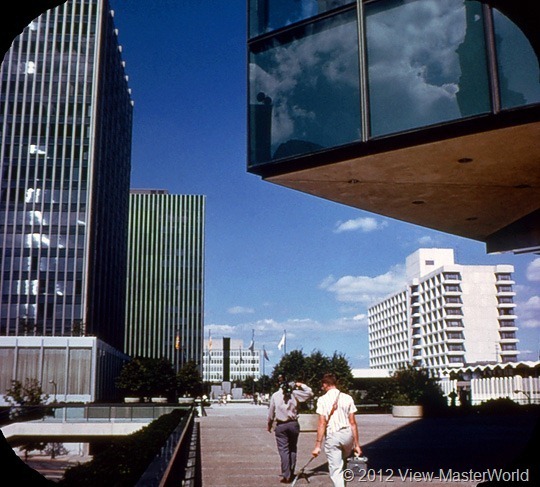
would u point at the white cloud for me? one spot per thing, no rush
(240, 310)
(529, 313)
(365, 289)
(221, 330)
(533, 270)
(426, 241)
(302, 333)
(364, 224)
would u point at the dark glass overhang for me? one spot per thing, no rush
(477, 179)
(441, 128)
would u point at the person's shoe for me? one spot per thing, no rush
(285, 481)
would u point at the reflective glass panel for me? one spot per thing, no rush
(269, 15)
(426, 63)
(519, 76)
(304, 90)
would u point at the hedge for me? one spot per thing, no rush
(123, 462)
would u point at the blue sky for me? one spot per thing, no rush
(275, 258)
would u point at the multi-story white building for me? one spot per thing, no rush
(447, 315)
(228, 360)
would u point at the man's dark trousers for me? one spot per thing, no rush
(287, 441)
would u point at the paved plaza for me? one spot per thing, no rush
(237, 450)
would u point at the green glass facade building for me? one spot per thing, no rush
(422, 110)
(165, 285)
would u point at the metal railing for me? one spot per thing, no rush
(178, 462)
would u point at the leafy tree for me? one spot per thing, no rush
(27, 400)
(310, 369)
(189, 380)
(147, 377)
(339, 365)
(265, 384)
(292, 366)
(412, 385)
(28, 394)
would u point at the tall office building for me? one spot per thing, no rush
(447, 315)
(65, 150)
(165, 302)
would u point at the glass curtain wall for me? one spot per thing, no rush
(427, 62)
(304, 93)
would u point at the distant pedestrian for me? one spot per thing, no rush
(283, 410)
(338, 423)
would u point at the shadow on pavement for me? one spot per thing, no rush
(460, 444)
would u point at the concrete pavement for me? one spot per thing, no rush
(237, 451)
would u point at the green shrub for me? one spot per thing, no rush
(503, 405)
(124, 461)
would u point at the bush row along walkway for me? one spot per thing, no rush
(237, 451)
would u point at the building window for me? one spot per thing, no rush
(518, 75)
(426, 61)
(269, 15)
(304, 90)
(452, 276)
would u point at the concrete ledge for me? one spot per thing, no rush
(70, 430)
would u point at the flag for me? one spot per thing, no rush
(281, 343)
(265, 354)
(251, 347)
(209, 341)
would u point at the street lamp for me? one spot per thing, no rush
(55, 388)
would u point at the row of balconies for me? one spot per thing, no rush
(507, 325)
(504, 279)
(505, 290)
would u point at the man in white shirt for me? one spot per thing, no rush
(338, 422)
(284, 411)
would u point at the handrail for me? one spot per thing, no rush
(172, 456)
(177, 450)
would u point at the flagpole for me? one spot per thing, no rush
(208, 364)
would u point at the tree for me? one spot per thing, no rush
(27, 400)
(412, 386)
(292, 366)
(310, 369)
(28, 394)
(147, 377)
(189, 380)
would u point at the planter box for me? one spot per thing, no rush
(186, 400)
(161, 400)
(308, 422)
(407, 411)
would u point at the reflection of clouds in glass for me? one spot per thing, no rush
(291, 75)
(519, 73)
(286, 12)
(414, 60)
